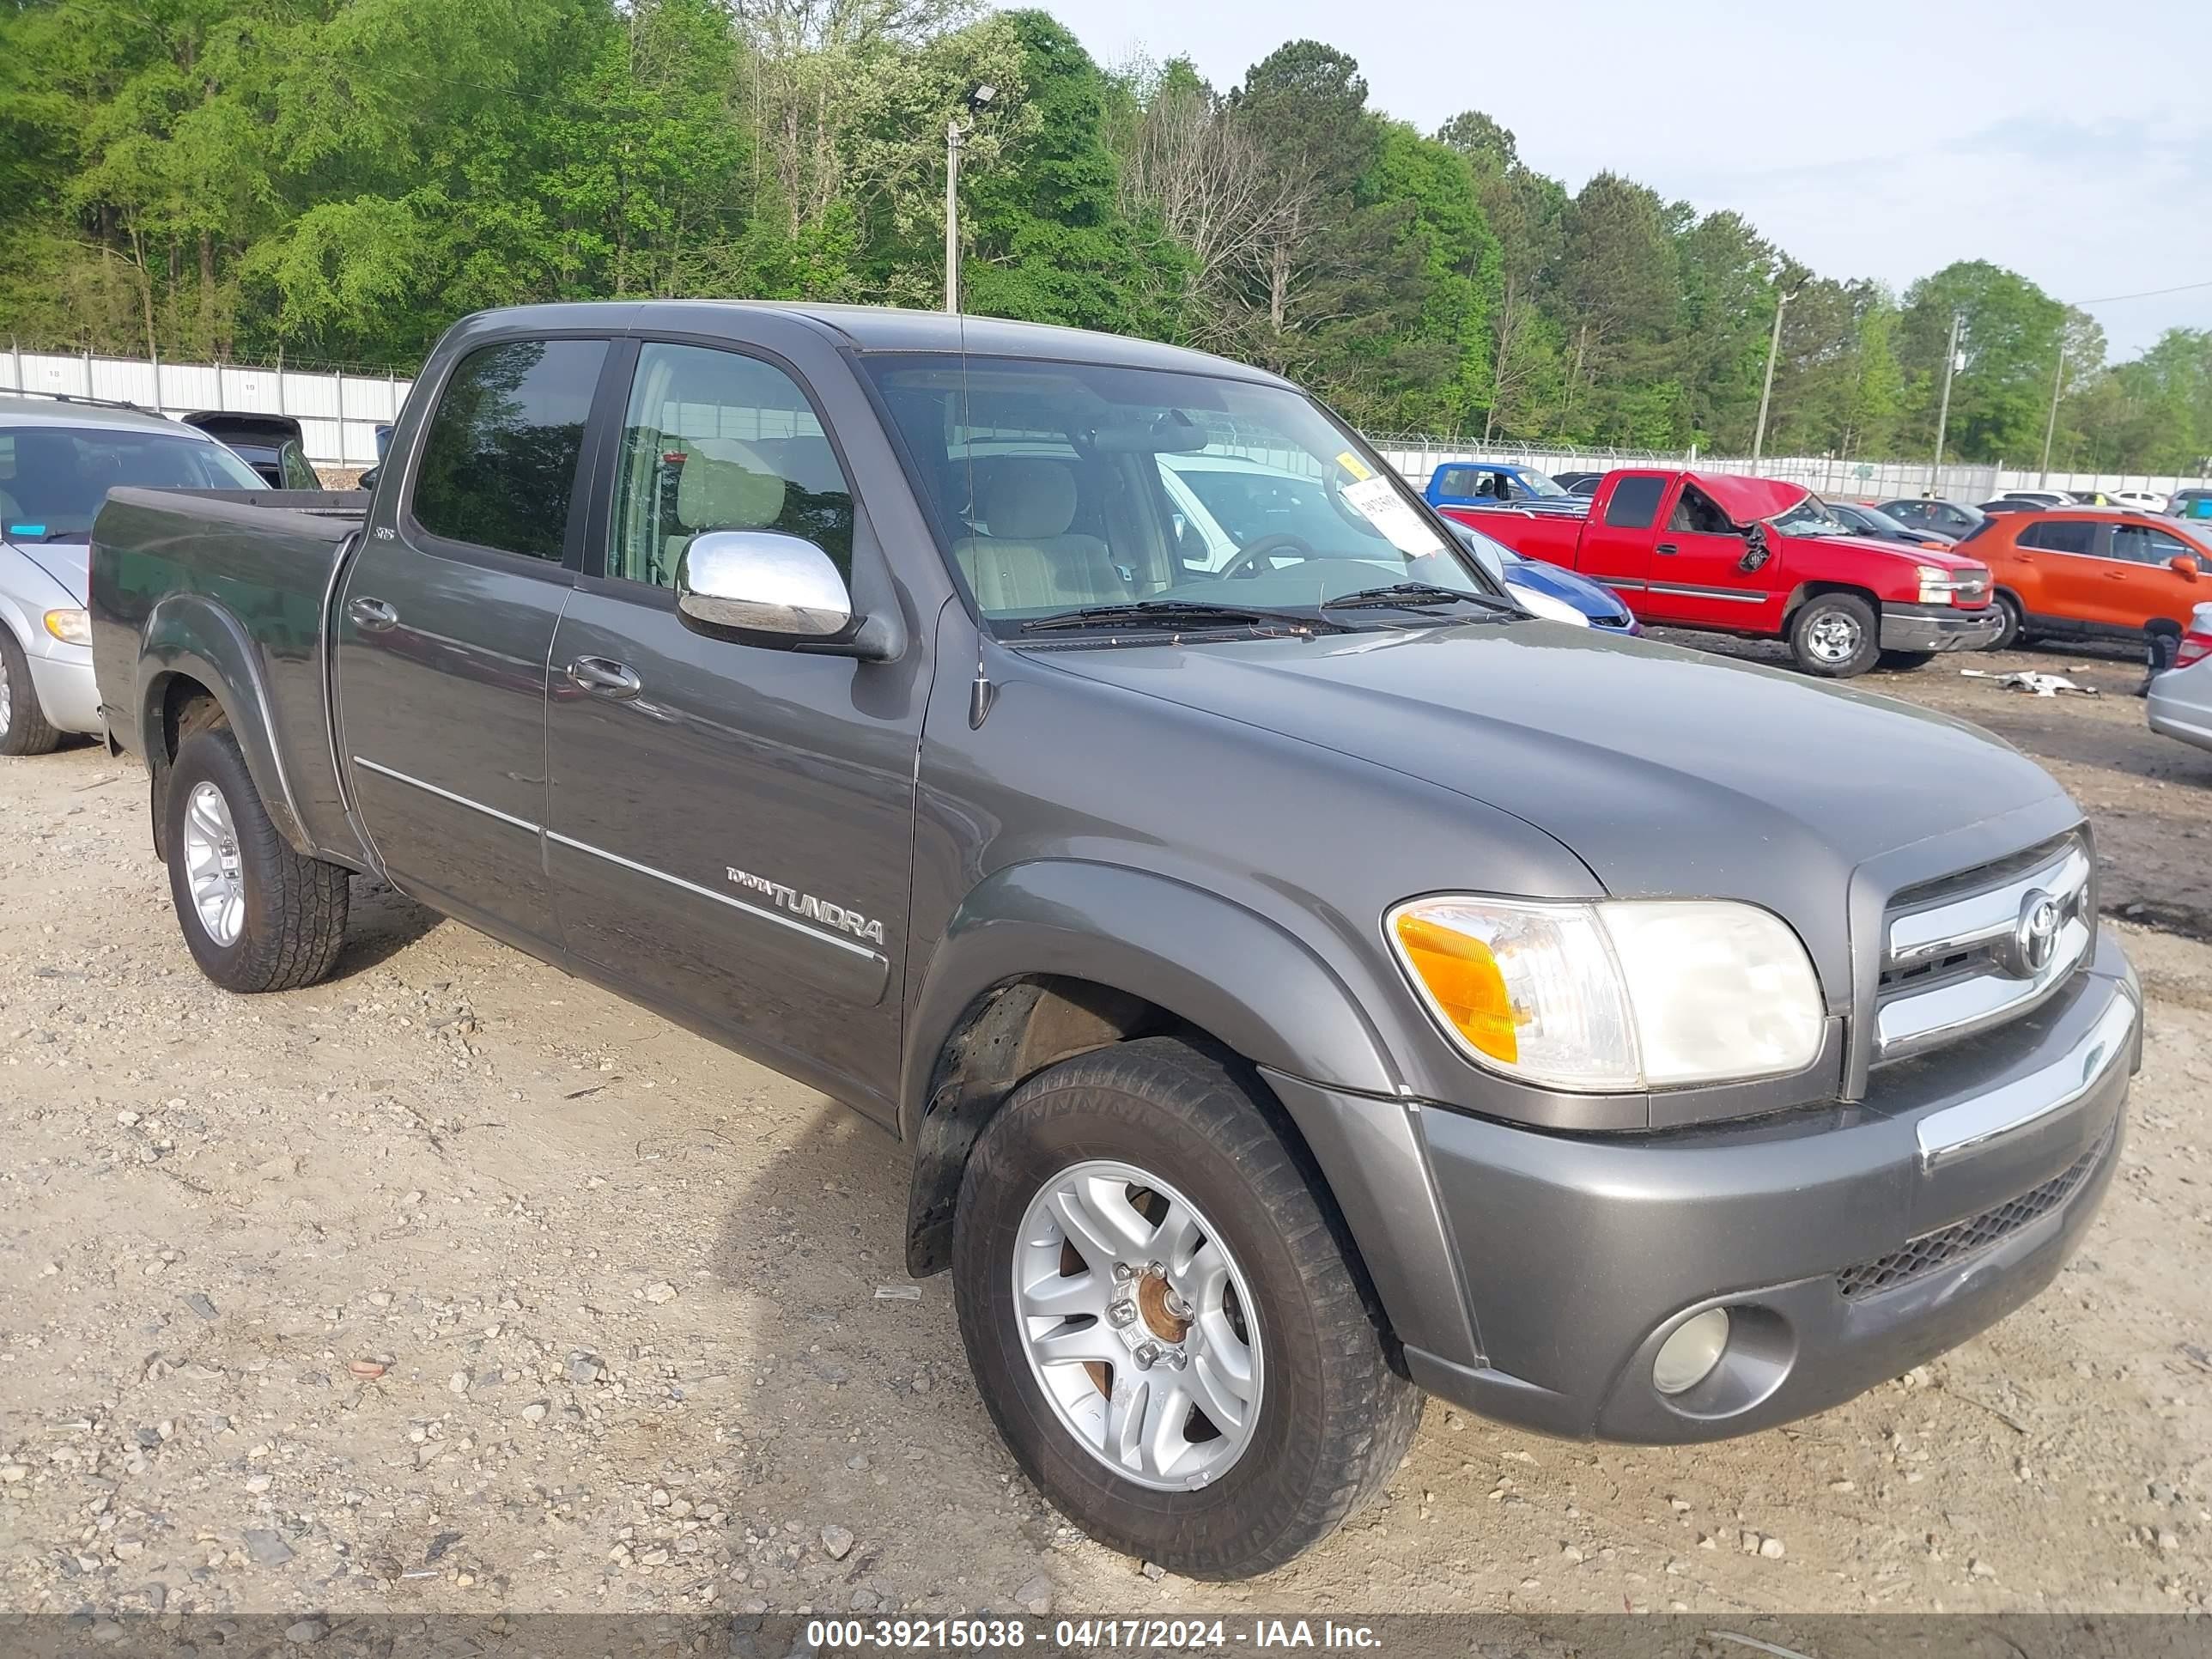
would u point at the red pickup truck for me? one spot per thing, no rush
(1760, 557)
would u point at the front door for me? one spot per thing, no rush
(2153, 589)
(732, 826)
(444, 628)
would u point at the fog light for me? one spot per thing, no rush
(1687, 1357)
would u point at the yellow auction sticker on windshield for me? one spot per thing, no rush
(1351, 464)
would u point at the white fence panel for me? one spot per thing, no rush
(338, 414)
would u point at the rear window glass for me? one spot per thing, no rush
(1635, 502)
(2060, 536)
(499, 464)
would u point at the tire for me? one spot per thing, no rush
(24, 727)
(1904, 661)
(288, 913)
(2015, 632)
(1332, 1419)
(1834, 635)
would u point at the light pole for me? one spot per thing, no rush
(1782, 299)
(1943, 412)
(2051, 425)
(955, 135)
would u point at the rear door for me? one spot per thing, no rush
(732, 826)
(443, 629)
(2068, 582)
(1615, 548)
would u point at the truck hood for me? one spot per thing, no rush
(1668, 772)
(1746, 501)
(67, 562)
(1947, 558)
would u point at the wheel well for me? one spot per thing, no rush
(185, 706)
(1807, 591)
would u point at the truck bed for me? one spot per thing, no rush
(228, 587)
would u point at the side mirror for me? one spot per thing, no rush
(2181, 564)
(773, 589)
(367, 479)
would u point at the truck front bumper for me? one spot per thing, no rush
(1939, 628)
(1848, 1245)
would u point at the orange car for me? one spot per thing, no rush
(2092, 573)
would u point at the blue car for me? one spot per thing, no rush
(1500, 484)
(1602, 607)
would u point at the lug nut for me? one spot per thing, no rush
(1123, 1273)
(1121, 1313)
(1146, 1353)
(1175, 1357)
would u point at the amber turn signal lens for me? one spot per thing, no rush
(1463, 976)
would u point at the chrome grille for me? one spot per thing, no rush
(1973, 951)
(1962, 1239)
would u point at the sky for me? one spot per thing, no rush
(2072, 143)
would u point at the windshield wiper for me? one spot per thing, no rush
(1409, 596)
(1164, 613)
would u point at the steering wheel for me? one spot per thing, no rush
(1247, 562)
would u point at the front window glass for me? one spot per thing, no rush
(715, 441)
(2140, 544)
(1059, 487)
(53, 478)
(499, 463)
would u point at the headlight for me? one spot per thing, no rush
(1617, 995)
(1941, 586)
(69, 627)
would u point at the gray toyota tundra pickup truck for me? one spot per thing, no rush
(1298, 978)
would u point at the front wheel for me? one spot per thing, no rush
(24, 727)
(1164, 1317)
(1834, 635)
(256, 916)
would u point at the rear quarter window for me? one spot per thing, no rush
(1635, 502)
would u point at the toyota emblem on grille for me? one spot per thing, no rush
(2035, 936)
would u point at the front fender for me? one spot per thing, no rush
(1224, 968)
(190, 635)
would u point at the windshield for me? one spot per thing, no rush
(1058, 487)
(53, 478)
(1811, 517)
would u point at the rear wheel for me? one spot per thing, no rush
(1164, 1317)
(256, 916)
(1833, 635)
(24, 728)
(2015, 631)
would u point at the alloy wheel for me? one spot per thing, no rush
(212, 865)
(1136, 1324)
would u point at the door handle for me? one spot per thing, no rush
(1667, 547)
(371, 616)
(604, 679)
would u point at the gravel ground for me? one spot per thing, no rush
(456, 1284)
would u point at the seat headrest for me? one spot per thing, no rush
(1025, 497)
(725, 485)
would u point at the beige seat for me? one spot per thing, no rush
(1029, 561)
(724, 485)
